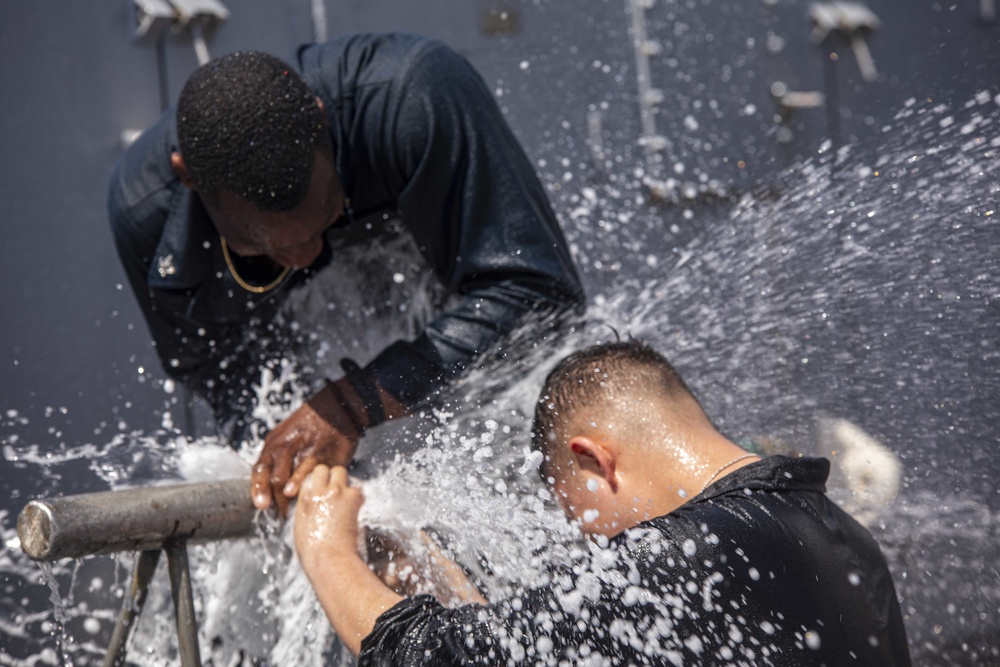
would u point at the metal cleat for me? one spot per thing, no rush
(205, 11)
(789, 101)
(853, 22)
(199, 16)
(152, 17)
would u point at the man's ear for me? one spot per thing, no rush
(595, 458)
(177, 164)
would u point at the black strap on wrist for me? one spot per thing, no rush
(364, 385)
(346, 406)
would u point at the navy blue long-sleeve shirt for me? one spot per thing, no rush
(760, 569)
(415, 132)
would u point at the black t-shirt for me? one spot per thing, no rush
(760, 569)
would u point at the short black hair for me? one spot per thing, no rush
(247, 123)
(597, 374)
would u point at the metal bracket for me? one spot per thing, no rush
(853, 22)
(650, 98)
(145, 566)
(789, 101)
(146, 520)
(180, 592)
(208, 12)
(183, 597)
(153, 17)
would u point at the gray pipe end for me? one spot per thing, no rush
(34, 529)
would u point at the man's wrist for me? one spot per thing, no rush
(365, 386)
(354, 412)
(329, 556)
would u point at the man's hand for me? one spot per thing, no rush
(326, 541)
(319, 432)
(326, 517)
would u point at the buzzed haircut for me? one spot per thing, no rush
(247, 123)
(596, 375)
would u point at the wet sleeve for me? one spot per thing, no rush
(419, 631)
(478, 212)
(531, 627)
(203, 356)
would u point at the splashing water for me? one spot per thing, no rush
(864, 286)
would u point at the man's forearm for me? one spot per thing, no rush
(450, 344)
(350, 594)
(452, 585)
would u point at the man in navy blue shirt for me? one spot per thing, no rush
(231, 199)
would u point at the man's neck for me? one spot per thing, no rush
(685, 468)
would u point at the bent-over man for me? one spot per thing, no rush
(232, 199)
(702, 552)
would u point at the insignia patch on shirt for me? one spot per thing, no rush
(166, 266)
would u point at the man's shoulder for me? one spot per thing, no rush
(348, 61)
(142, 181)
(387, 42)
(716, 521)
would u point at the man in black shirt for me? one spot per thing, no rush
(232, 199)
(702, 553)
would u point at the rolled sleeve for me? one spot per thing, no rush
(477, 210)
(419, 631)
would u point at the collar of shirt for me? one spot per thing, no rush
(184, 255)
(774, 473)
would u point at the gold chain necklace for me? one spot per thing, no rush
(255, 289)
(731, 463)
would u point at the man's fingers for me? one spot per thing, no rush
(281, 470)
(308, 465)
(292, 451)
(338, 475)
(260, 482)
(332, 456)
(316, 481)
(281, 502)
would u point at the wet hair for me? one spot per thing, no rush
(247, 123)
(594, 377)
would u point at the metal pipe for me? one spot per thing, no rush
(649, 97)
(180, 591)
(135, 519)
(200, 45)
(145, 567)
(320, 31)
